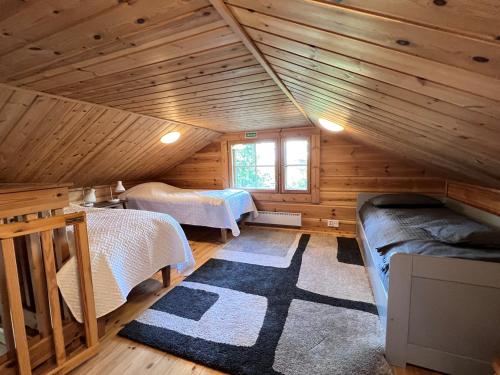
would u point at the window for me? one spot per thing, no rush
(254, 165)
(296, 164)
(271, 165)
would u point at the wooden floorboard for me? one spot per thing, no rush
(120, 356)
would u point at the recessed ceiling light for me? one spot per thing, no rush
(170, 137)
(328, 125)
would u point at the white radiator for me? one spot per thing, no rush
(277, 218)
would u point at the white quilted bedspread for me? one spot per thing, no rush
(126, 248)
(209, 208)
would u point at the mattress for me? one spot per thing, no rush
(126, 248)
(209, 208)
(391, 231)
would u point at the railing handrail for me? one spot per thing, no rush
(24, 228)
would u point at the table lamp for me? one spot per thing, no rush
(119, 188)
(89, 198)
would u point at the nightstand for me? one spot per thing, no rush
(106, 204)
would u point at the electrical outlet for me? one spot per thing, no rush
(333, 223)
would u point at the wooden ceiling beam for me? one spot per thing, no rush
(233, 23)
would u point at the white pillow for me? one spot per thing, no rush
(149, 189)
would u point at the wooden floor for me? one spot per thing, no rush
(119, 356)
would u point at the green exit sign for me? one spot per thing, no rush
(251, 135)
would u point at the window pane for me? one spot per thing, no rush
(255, 178)
(245, 177)
(244, 154)
(296, 152)
(296, 178)
(254, 165)
(266, 178)
(266, 153)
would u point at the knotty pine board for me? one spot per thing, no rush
(347, 168)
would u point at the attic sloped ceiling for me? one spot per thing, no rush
(176, 60)
(421, 78)
(45, 138)
(418, 77)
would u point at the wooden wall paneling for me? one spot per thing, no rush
(224, 92)
(35, 143)
(382, 127)
(457, 148)
(44, 19)
(13, 110)
(422, 83)
(87, 143)
(203, 170)
(124, 154)
(160, 97)
(125, 23)
(432, 91)
(208, 72)
(477, 196)
(58, 139)
(435, 111)
(194, 141)
(242, 75)
(432, 43)
(276, 46)
(384, 138)
(226, 14)
(224, 161)
(481, 20)
(477, 132)
(157, 57)
(467, 80)
(347, 167)
(104, 157)
(76, 194)
(230, 97)
(321, 97)
(416, 134)
(163, 71)
(35, 157)
(315, 168)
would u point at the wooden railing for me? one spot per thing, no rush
(47, 229)
(41, 334)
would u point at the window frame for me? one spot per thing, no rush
(283, 188)
(279, 166)
(276, 166)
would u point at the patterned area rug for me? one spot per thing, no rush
(272, 302)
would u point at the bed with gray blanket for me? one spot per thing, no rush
(435, 275)
(391, 231)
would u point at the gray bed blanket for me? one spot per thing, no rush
(385, 227)
(391, 231)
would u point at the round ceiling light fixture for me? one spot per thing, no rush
(170, 137)
(331, 126)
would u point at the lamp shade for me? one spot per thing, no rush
(90, 197)
(119, 188)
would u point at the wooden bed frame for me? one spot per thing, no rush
(39, 331)
(439, 313)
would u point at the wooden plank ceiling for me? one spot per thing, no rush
(44, 138)
(176, 60)
(418, 77)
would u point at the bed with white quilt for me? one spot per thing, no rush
(126, 247)
(208, 208)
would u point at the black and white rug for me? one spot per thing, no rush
(272, 302)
